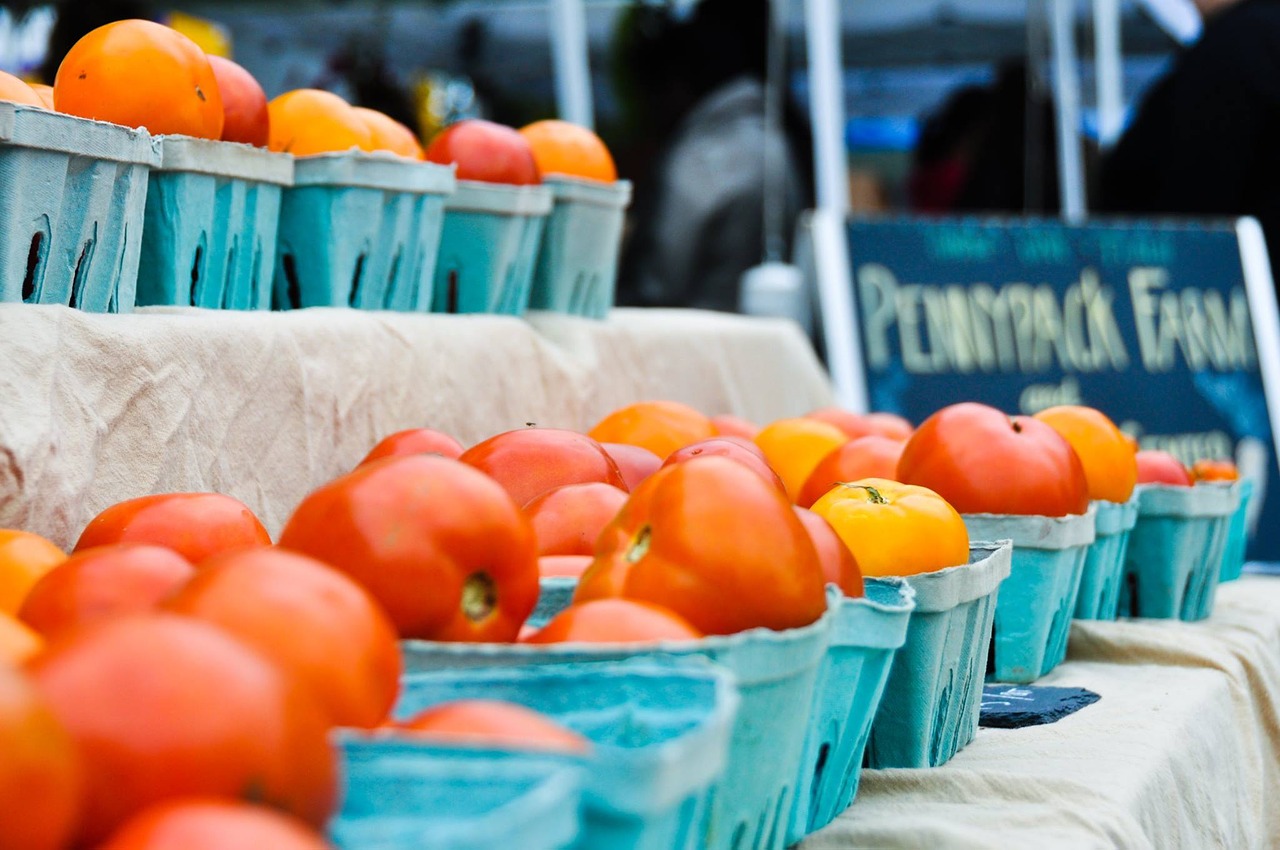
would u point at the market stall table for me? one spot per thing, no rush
(1182, 751)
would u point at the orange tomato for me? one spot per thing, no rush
(40, 771)
(141, 74)
(312, 621)
(1110, 469)
(794, 447)
(530, 461)
(18, 642)
(212, 824)
(569, 519)
(161, 707)
(560, 147)
(872, 456)
(388, 134)
(614, 621)
(895, 529)
(15, 90)
(195, 525)
(1214, 470)
(439, 544)
(414, 441)
(839, 567)
(493, 723)
(24, 559)
(705, 531)
(305, 122)
(103, 582)
(659, 426)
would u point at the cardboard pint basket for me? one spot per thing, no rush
(1176, 550)
(1037, 601)
(1237, 534)
(213, 210)
(1099, 597)
(929, 710)
(72, 197)
(577, 269)
(659, 730)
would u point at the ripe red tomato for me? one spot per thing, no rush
(872, 456)
(441, 546)
(728, 425)
(563, 566)
(839, 566)
(982, 461)
(244, 104)
(414, 441)
(736, 449)
(636, 463)
(530, 461)
(569, 519)
(857, 425)
(710, 540)
(495, 723)
(614, 621)
(195, 525)
(485, 151)
(1157, 467)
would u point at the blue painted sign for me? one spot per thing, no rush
(1170, 328)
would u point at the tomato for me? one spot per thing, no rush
(560, 147)
(856, 425)
(794, 448)
(634, 462)
(982, 461)
(711, 541)
(195, 525)
(872, 456)
(728, 425)
(18, 642)
(103, 582)
(162, 707)
(493, 723)
(316, 624)
(659, 426)
(567, 520)
(24, 559)
(388, 134)
(614, 621)
(1110, 469)
(485, 151)
(1157, 467)
(212, 824)
(40, 771)
(563, 566)
(839, 567)
(439, 544)
(14, 90)
(895, 529)
(141, 74)
(244, 104)
(305, 122)
(1214, 470)
(530, 461)
(737, 449)
(414, 441)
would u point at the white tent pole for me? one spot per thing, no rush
(1067, 91)
(830, 234)
(573, 69)
(1107, 58)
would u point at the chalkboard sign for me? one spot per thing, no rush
(1170, 328)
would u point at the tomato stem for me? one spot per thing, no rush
(875, 496)
(479, 596)
(639, 545)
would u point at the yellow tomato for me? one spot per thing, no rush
(895, 529)
(1110, 465)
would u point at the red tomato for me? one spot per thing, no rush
(736, 449)
(414, 441)
(857, 425)
(101, 583)
(195, 525)
(872, 456)
(530, 461)
(982, 461)
(485, 151)
(208, 823)
(567, 520)
(244, 104)
(441, 546)
(839, 567)
(698, 534)
(1157, 467)
(495, 723)
(614, 621)
(728, 425)
(636, 463)
(563, 566)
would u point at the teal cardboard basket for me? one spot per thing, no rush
(1176, 549)
(1237, 534)
(659, 730)
(360, 230)
(1037, 601)
(577, 269)
(865, 634)
(929, 710)
(72, 197)
(555, 594)
(213, 209)
(489, 248)
(1099, 597)
(777, 674)
(401, 795)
